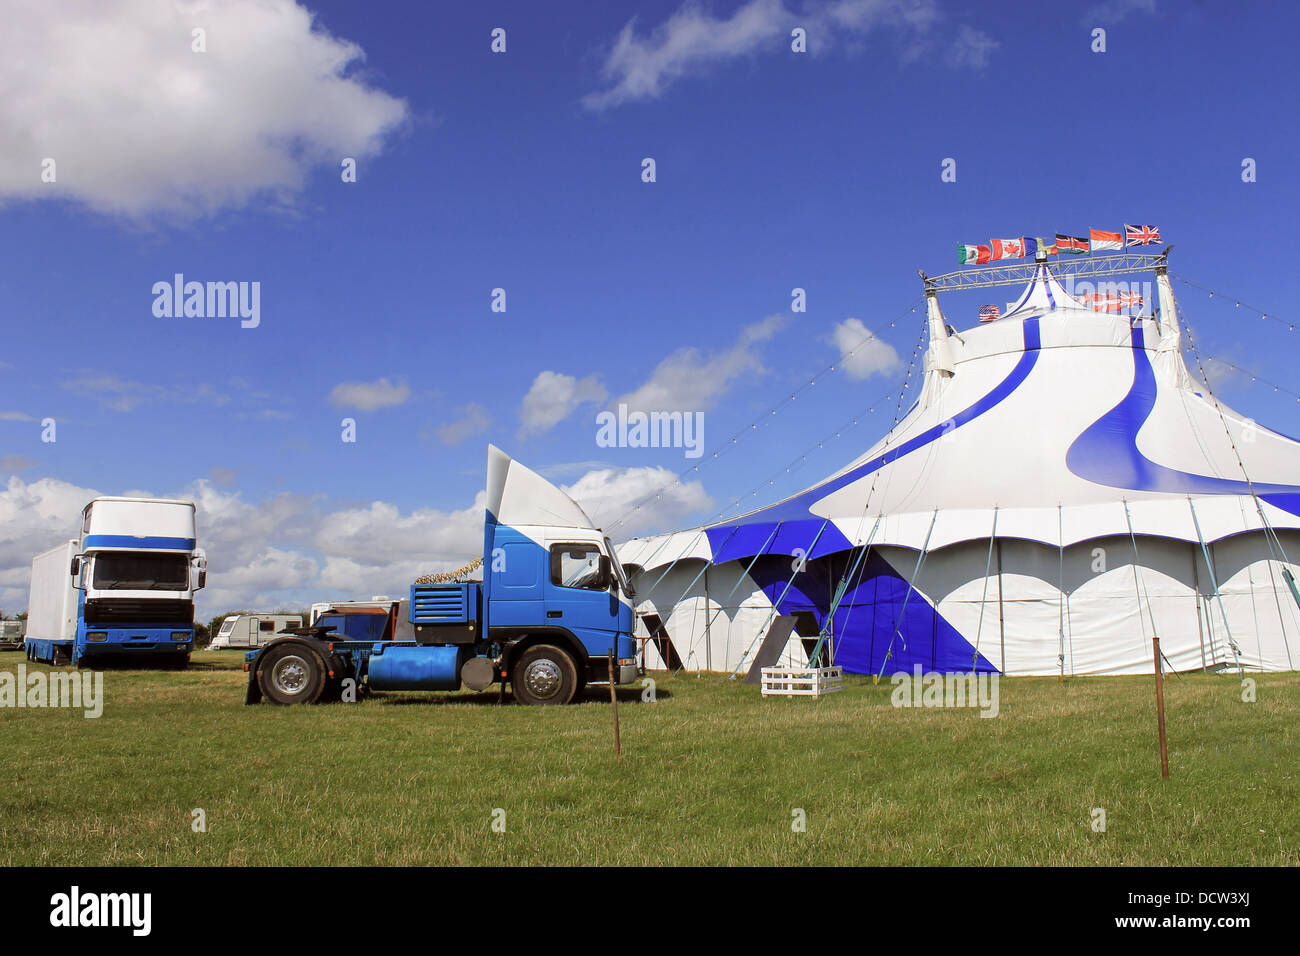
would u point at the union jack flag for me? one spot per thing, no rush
(990, 313)
(1140, 235)
(1112, 303)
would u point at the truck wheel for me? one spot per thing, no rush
(291, 674)
(544, 674)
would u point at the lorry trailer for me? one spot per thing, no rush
(552, 613)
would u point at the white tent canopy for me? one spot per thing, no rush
(1067, 430)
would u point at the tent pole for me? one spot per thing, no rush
(749, 567)
(1137, 586)
(840, 590)
(708, 626)
(988, 563)
(911, 585)
(1200, 630)
(1214, 581)
(1002, 619)
(777, 603)
(1060, 584)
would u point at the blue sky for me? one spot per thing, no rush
(522, 171)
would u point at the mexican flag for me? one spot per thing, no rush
(972, 255)
(1102, 241)
(1072, 244)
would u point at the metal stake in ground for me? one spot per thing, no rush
(613, 699)
(1160, 709)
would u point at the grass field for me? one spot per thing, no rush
(710, 774)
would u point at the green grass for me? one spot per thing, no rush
(709, 775)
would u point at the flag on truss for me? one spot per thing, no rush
(1105, 241)
(1007, 248)
(1140, 235)
(1074, 245)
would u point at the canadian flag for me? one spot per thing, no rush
(1007, 248)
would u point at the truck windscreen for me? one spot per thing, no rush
(134, 571)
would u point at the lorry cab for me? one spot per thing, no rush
(552, 613)
(137, 570)
(561, 583)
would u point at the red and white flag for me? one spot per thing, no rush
(1007, 248)
(1140, 235)
(1102, 241)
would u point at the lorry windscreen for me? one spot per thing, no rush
(134, 571)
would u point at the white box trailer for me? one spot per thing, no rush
(252, 630)
(52, 602)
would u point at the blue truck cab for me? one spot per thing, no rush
(551, 611)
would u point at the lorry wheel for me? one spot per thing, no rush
(291, 674)
(544, 674)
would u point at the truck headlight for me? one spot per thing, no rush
(180, 635)
(96, 635)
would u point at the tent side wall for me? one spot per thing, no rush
(1090, 608)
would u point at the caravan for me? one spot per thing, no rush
(252, 630)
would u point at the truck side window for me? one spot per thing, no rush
(576, 566)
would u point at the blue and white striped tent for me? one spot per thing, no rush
(1061, 490)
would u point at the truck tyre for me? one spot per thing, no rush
(544, 674)
(291, 674)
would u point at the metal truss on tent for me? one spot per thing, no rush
(1023, 273)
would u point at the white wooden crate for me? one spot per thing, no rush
(802, 681)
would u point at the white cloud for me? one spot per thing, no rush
(690, 381)
(124, 395)
(642, 66)
(369, 396)
(862, 353)
(553, 397)
(474, 419)
(34, 517)
(140, 125)
(15, 417)
(609, 494)
(972, 48)
(290, 550)
(380, 533)
(1113, 11)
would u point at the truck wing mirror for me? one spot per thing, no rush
(606, 572)
(76, 566)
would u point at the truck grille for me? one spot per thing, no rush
(138, 611)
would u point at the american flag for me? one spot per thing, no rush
(1140, 235)
(990, 313)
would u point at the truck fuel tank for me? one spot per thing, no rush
(417, 668)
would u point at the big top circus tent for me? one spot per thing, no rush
(1061, 491)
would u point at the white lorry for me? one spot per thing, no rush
(125, 588)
